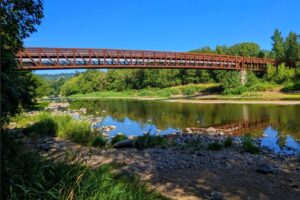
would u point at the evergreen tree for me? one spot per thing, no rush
(278, 45)
(291, 49)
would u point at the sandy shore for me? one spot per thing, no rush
(277, 102)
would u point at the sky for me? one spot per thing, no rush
(171, 25)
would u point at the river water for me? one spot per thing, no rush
(277, 125)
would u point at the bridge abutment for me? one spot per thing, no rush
(243, 76)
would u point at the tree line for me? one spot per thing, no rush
(286, 51)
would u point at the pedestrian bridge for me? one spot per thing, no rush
(79, 58)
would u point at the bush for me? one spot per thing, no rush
(118, 138)
(228, 142)
(235, 91)
(260, 87)
(215, 146)
(99, 141)
(249, 146)
(147, 141)
(189, 90)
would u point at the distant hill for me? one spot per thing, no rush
(57, 76)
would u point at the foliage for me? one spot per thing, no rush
(44, 126)
(59, 125)
(292, 49)
(43, 86)
(18, 20)
(228, 142)
(99, 141)
(215, 146)
(30, 176)
(147, 141)
(118, 138)
(278, 45)
(280, 75)
(249, 146)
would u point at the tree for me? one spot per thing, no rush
(278, 45)
(291, 49)
(247, 49)
(18, 21)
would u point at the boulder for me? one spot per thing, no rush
(123, 144)
(265, 169)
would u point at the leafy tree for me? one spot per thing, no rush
(247, 49)
(18, 20)
(43, 86)
(278, 45)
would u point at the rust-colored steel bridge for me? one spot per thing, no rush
(77, 58)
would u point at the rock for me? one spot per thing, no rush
(124, 143)
(265, 169)
(211, 131)
(45, 147)
(216, 196)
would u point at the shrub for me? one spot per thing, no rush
(147, 140)
(228, 142)
(99, 141)
(215, 146)
(118, 138)
(249, 146)
(189, 90)
(235, 91)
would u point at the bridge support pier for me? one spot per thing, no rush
(243, 76)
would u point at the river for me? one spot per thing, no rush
(277, 125)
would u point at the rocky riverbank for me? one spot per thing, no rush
(180, 173)
(193, 164)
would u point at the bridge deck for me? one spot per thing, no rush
(75, 58)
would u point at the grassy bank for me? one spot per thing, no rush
(182, 90)
(260, 91)
(26, 175)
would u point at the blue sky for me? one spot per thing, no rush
(171, 25)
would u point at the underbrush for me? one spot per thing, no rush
(63, 126)
(27, 175)
(147, 141)
(118, 138)
(249, 146)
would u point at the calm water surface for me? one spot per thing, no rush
(278, 125)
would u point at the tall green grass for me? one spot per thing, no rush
(26, 175)
(63, 126)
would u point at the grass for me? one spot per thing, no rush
(227, 142)
(63, 126)
(215, 146)
(147, 141)
(183, 90)
(118, 138)
(27, 175)
(249, 146)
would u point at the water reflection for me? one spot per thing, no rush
(136, 117)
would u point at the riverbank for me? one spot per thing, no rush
(198, 164)
(200, 92)
(179, 173)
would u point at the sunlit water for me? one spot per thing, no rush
(277, 125)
